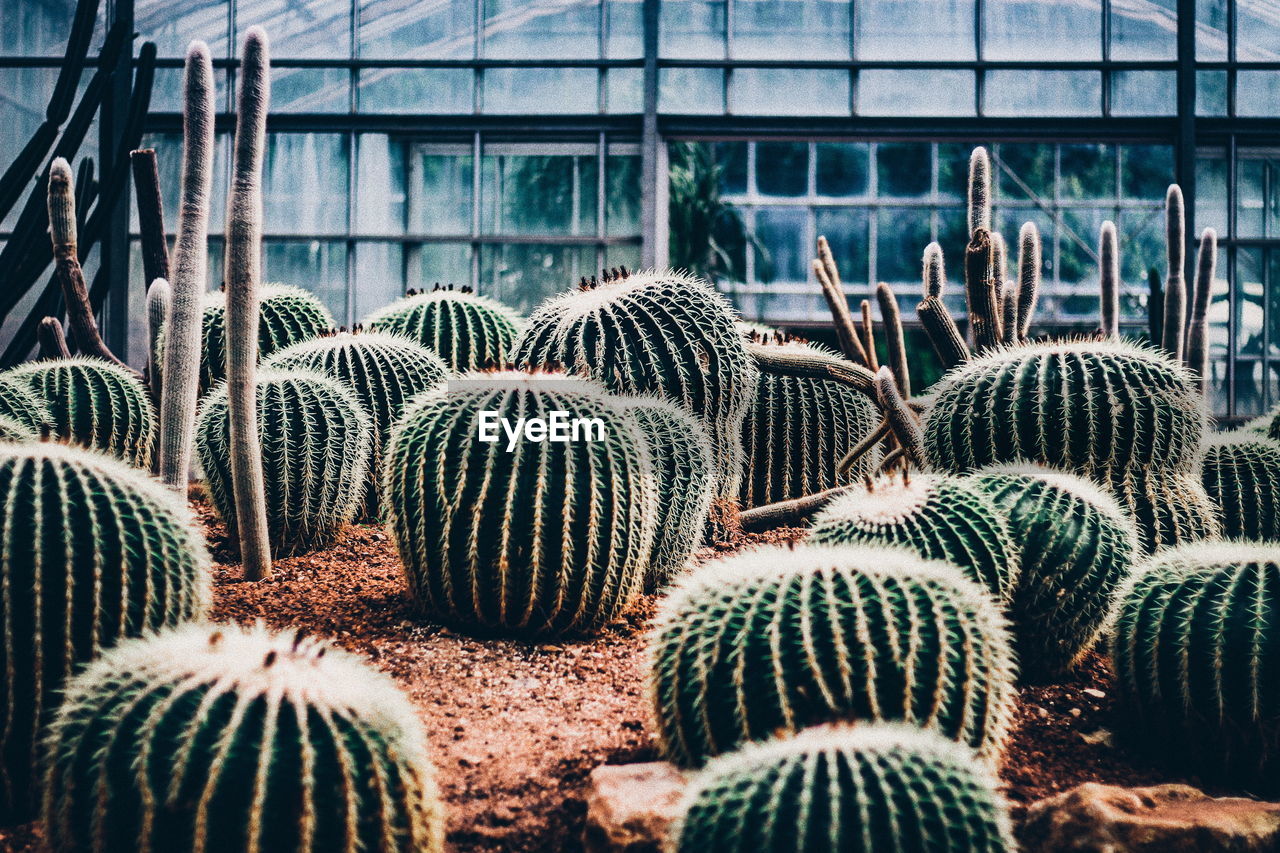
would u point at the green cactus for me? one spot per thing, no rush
(93, 551)
(1077, 546)
(467, 331)
(1268, 424)
(1168, 509)
(22, 405)
(516, 535)
(1241, 473)
(777, 639)
(1196, 652)
(682, 460)
(657, 332)
(13, 431)
(865, 789)
(384, 372)
(938, 516)
(94, 403)
(234, 739)
(286, 315)
(316, 442)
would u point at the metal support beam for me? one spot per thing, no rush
(115, 240)
(653, 214)
(1185, 146)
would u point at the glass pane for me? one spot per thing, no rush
(380, 192)
(624, 29)
(1146, 171)
(786, 254)
(172, 26)
(624, 90)
(953, 169)
(417, 90)
(1257, 30)
(622, 194)
(910, 92)
(903, 169)
(1211, 93)
(538, 194)
(168, 148)
(316, 29)
(379, 276)
(691, 90)
(622, 254)
(522, 276)
(1257, 93)
(439, 263)
(842, 168)
(1142, 247)
(1211, 30)
(1078, 247)
(692, 29)
(770, 29)
(1038, 30)
(902, 234)
(310, 90)
(1144, 29)
(414, 29)
(787, 91)
(541, 90)
(782, 168)
(846, 230)
(315, 265)
(890, 29)
(166, 90)
(23, 115)
(533, 29)
(440, 198)
(1043, 93)
(1250, 296)
(1211, 193)
(305, 183)
(1250, 175)
(1144, 93)
(731, 157)
(1087, 171)
(1024, 171)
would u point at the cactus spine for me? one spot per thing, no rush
(158, 296)
(1175, 288)
(19, 402)
(1169, 509)
(866, 789)
(1198, 330)
(934, 315)
(13, 431)
(467, 331)
(94, 551)
(895, 342)
(1028, 277)
(1242, 477)
(227, 738)
(979, 191)
(286, 315)
(1109, 278)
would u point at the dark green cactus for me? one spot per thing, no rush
(94, 403)
(521, 535)
(467, 331)
(22, 405)
(654, 332)
(777, 639)
(1169, 509)
(865, 789)
(286, 315)
(1077, 546)
(13, 431)
(384, 371)
(1241, 473)
(234, 739)
(940, 517)
(93, 551)
(316, 443)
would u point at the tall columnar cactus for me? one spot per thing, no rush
(23, 405)
(468, 331)
(979, 190)
(1196, 653)
(864, 789)
(94, 551)
(159, 295)
(1109, 280)
(1175, 287)
(1241, 473)
(384, 372)
(286, 315)
(93, 403)
(517, 534)
(776, 639)
(681, 454)
(654, 332)
(316, 442)
(1198, 326)
(800, 426)
(1077, 546)
(939, 517)
(1028, 277)
(934, 315)
(1168, 509)
(234, 739)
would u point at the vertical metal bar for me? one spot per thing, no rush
(1233, 295)
(476, 201)
(653, 245)
(1106, 57)
(353, 166)
(1185, 155)
(980, 74)
(114, 259)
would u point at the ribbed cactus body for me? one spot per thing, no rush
(94, 404)
(1168, 509)
(93, 551)
(1077, 545)
(286, 315)
(681, 455)
(316, 442)
(13, 431)
(864, 789)
(654, 332)
(940, 517)
(1241, 473)
(517, 536)
(22, 405)
(232, 739)
(778, 639)
(383, 371)
(797, 431)
(1196, 652)
(467, 331)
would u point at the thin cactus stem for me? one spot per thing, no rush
(895, 341)
(869, 336)
(788, 512)
(1155, 307)
(181, 367)
(1175, 289)
(998, 273)
(146, 183)
(862, 448)
(902, 420)
(157, 316)
(979, 191)
(1009, 314)
(1028, 277)
(941, 328)
(802, 364)
(53, 344)
(244, 246)
(892, 459)
(935, 273)
(1198, 331)
(1109, 280)
(824, 268)
(984, 311)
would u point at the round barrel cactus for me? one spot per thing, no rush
(1077, 546)
(865, 789)
(286, 315)
(13, 430)
(938, 516)
(1241, 473)
(798, 430)
(1168, 509)
(467, 331)
(316, 442)
(776, 639)
(93, 551)
(1268, 424)
(663, 333)
(384, 372)
(682, 461)
(521, 504)
(1196, 652)
(226, 738)
(22, 406)
(95, 404)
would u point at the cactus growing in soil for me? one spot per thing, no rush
(938, 516)
(864, 789)
(94, 551)
(657, 332)
(315, 447)
(1241, 473)
(777, 639)
(94, 403)
(234, 739)
(1168, 509)
(20, 403)
(515, 535)
(286, 315)
(1077, 546)
(467, 331)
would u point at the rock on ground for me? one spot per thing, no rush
(630, 807)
